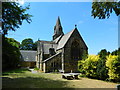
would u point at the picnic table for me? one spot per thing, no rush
(70, 76)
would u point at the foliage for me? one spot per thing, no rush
(101, 67)
(116, 52)
(13, 15)
(103, 10)
(113, 63)
(89, 65)
(35, 46)
(81, 66)
(28, 44)
(85, 55)
(36, 68)
(10, 53)
(103, 53)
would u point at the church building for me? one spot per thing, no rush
(63, 52)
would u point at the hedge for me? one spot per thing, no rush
(89, 66)
(113, 64)
(96, 67)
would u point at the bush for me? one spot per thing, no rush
(89, 66)
(113, 64)
(102, 66)
(10, 53)
(102, 71)
(36, 68)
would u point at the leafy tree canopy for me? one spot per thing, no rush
(102, 8)
(103, 53)
(13, 15)
(116, 52)
(28, 44)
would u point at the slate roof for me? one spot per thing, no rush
(52, 57)
(46, 45)
(59, 42)
(50, 42)
(57, 39)
(64, 39)
(28, 55)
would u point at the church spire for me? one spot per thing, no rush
(58, 23)
(57, 29)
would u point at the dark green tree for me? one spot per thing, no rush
(103, 53)
(103, 10)
(28, 44)
(35, 46)
(101, 66)
(13, 15)
(10, 53)
(116, 52)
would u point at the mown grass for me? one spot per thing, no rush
(22, 78)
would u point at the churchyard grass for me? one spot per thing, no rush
(23, 78)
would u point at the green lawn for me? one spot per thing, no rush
(26, 79)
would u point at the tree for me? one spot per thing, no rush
(28, 44)
(35, 45)
(103, 53)
(116, 52)
(103, 10)
(12, 16)
(101, 67)
(10, 53)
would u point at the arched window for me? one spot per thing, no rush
(51, 51)
(75, 50)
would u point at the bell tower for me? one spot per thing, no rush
(57, 29)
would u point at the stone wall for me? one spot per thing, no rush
(53, 63)
(28, 64)
(69, 63)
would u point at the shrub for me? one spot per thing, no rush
(102, 71)
(10, 53)
(113, 64)
(36, 68)
(88, 67)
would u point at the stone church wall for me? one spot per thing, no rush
(53, 64)
(69, 63)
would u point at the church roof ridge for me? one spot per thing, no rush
(64, 39)
(57, 39)
(47, 41)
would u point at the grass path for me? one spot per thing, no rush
(26, 79)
